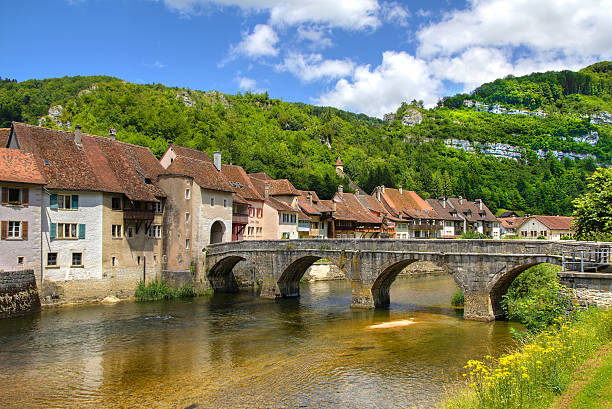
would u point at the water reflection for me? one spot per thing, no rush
(235, 350)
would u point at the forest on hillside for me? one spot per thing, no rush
(301, 142)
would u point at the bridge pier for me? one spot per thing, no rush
(478, 306)
(362, 296)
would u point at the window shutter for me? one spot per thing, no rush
(4, 228)
(4, 195)
(53, 201)
(75, 202)
(24, 230)
(53, 227)
(81, 231)
(25, 196)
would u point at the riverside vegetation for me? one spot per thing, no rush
(302, 142)
(157, 290)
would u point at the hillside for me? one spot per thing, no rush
(301, 142)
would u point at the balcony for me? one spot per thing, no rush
(138, 214)
(424, 226)
(239, 218)
(368, 229)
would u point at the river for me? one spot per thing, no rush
(236, 350)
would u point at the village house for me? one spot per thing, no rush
(509, 225)
(350, 218)
(20, 210)
(280, 210)
(476, 217)
(547, 227)
(318, 214)
(452, 223)
(199, 211)
(99, 201)
(175, 150)
(248, 205)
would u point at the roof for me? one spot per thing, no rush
(278, 187)
(190, 153)
(4, 135)
(443, 212)
(240, 182)
(471, 210)
(348, 207)
(303, 216)
(409, 203)
(100, 164)
(279, 205)
(511, 222)
(508, 214)
(373, 205)
(314, 208)
(204, 173)
(237, 198)
(260, 175)
(339, 162)
(20, 167)
(553, 222)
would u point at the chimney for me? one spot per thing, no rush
(378, 193)
(112, 133)
(382, 189)
(77, 135)
(217, 160)
(401, 190)
(340, 190)
(309, 198)
(479, 203)
(460, 200)
(333, 206)
(267, 190)
(442, 201)
(356, 192)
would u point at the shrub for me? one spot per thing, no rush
(158, 290)
(473, 235)
(457, 299)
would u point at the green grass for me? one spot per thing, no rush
(598, 392)
(457, 299)
(159, 290)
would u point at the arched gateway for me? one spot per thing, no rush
(483, 269)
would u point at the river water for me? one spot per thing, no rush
(236, 350)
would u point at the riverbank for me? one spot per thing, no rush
(540, 370)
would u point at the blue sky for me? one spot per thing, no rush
(361, 55)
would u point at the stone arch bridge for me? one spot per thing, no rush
(482, 269)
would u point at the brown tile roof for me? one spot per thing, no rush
(99, 164)
(278, 187)
(443, 212)
(204, 173)
(190, 153)
(314, 208)
(339, 162)
(279, 205)
(373, 205)
(260, 175)
(240, 182)
(303, 216)
(554, 222)
(349, 206)
(467, 207)
(408, 203)
(237, 198)
(511, 222)
(18, 166)
(4, 135)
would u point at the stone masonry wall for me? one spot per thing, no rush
(18, 294)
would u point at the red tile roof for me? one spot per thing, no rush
(260, 175)
(279, 205)
(190, 153)
(99, 164)
(339, 162)
(511, 222)
(314, 208)
(554, 222)
(471, 210)
(204, 173)
(4, 134)
(20, 167)
(278, 187)
(240, 182)
(443, 212)
(348, 207)
(407, 203)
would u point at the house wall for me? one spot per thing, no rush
(167, 158)
(126, 249)
(89, 213)
(255, 222)
(28, 249)
(288, 229)
(208, 215)
(175, 257)
(533, 228)
(270, 223)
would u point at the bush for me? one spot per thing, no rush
(158, 290)
(457, 299)
(474, 235)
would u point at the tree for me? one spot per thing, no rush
(593, 213)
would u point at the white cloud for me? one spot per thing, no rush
(246, 84)
(400, 77)
(317, 36)
(393, 12)
(348, 14)
(261, 42)
(313, 67)
(569, 26)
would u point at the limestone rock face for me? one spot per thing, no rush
(56, 111)
(184, 96)
(412, 117)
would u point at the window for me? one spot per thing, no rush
(154, 260)
(113, 261)
(251, 211)
(187, 193)
(129, 232)
(224, 202)
(138, 260)
(52, 259)
(14, 195)
(154, 231)
(187, 218)
(116, 231)
(116, 203)
(66, 230)
(77, 260)
(212, 201)
(259, 213)
(20, 260)
(285, 235)
(14, 230)
(186, 243)
(157, 207)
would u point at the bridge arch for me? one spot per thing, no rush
(289, 281)
(221, 275)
